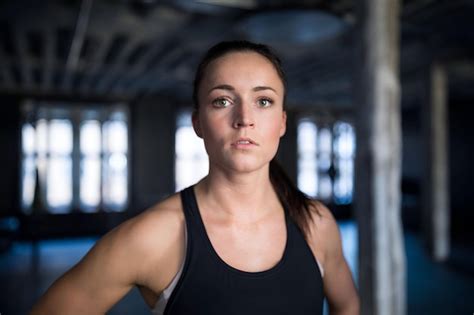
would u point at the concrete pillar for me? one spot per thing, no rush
(435, 182)
(378, 159)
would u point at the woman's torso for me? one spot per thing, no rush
(216, 275)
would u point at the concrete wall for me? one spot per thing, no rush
(10, 155)
(461, 154)
(461, 166)
(153, 137)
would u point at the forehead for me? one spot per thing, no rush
(248, 64)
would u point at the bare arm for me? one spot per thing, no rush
(121, 259)
(339, 286)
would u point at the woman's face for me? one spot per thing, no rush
(240, 115)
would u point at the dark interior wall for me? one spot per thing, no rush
(461, 153)
(461, 159)
(287, 150)
(412, 167)
(412, 145)
(10, 156)
(153, 140)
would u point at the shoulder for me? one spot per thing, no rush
(147, 241)
(322, 220)
(323, 237)
(163, 218)
(154, 228)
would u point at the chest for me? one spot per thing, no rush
(276, 273)
(250, 248)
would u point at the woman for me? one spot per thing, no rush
(243, 240)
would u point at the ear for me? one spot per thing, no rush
(283, 124)
(196, 123)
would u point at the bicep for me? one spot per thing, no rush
(339, 287)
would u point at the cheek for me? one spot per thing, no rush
(212, 128)
(273, 126)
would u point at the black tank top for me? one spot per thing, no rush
(210, 286)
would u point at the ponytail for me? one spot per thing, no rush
(298, 204)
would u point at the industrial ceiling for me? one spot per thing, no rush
(129, 48)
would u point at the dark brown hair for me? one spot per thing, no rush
(298, 204)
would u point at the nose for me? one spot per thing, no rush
(243, 116)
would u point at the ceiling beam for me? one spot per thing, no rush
(24, 64)
(76, 44)
(96, 66)
(124, 44)
(49, 59)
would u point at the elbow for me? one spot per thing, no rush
(45, 306)
(351, 307)
(53, 303)
(39, 309)
(354, 307)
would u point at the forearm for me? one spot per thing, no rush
(53, 303)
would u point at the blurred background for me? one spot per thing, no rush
(95, 106)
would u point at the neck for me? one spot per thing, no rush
(238, 196)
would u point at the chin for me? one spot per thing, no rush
(248, 166)
(241, 163)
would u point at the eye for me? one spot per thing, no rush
(221, 102)
(265, 102)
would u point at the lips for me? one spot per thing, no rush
(244, 142)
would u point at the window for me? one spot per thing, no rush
(74, 158)
(191, 163)
(114, 161)
(90, 183)
(307, 163)
(344, 155)
(326, 160)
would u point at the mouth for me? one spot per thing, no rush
(244, 142)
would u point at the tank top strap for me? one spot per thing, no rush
(197, 237)
(188, 200)
(192, 216)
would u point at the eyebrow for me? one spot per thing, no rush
(263, 88)
(231, 88)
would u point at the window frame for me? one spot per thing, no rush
(77, 113)
(328, 121)
(183, 121)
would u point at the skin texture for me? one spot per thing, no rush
(243, 106)
(240, 209)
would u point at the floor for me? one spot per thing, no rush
(26, 271)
